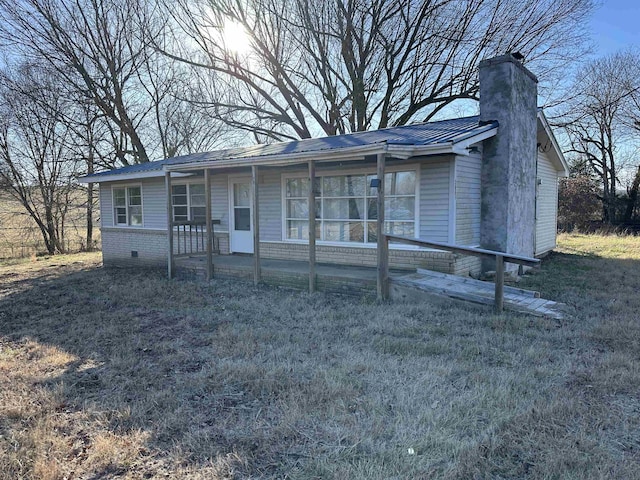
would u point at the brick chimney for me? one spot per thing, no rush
(508, 94)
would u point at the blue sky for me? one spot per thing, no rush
(615, 26)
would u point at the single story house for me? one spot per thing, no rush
(489, 181)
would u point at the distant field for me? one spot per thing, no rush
(122, 374)
(20, 236)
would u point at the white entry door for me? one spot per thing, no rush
(241, 215)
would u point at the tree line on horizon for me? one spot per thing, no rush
(88, 85)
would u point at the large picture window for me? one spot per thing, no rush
(346, 208)
(127, 206)
(188, 202)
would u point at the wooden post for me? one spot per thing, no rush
(170, 262)
(382, 244)
(256, 225)
(499, 294)
(312, 226)
(207, 199)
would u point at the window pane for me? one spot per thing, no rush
(297, 187)
(344, 186)
(198, 214)
(179, 199)
(372, 209)
(405, 229)
(372, 236)
(344, 231)
(401, 208)
(197, 189)
(135, 215)
(179, 189)
(241, 194)
(297, 209)
(135, 196)
(119, 197)
(400, 183)
(180, 213)
(120, 215)
(198, 200)
(242, 219)
(347, 208)
(299, 230)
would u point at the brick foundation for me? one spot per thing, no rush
(151, 247)
(118, 243)
(400, 259)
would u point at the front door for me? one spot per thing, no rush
(240, 215)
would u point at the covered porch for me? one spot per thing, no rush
(331, 278)
(404, 284)
(244, 216)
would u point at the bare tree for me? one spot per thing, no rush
(631, 113)
(348, 65)
(596, 121)
(93, 46)
(34, 150)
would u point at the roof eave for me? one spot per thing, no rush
(118, 177)
(348, 153)
(559, 156)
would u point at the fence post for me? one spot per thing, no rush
(499, 293)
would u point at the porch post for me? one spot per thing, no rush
(312, 226)
(170, 262)
(256, 226)
(382, 244)
(207, 197)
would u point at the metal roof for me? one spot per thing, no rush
(445, 132)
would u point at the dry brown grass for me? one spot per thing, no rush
(21, 238)
(111, 374)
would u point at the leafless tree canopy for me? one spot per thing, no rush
(101, 56)
(35, 161)
(600, 117)
(330, 67)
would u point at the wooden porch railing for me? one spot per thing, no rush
(190, 237)
(500, 258)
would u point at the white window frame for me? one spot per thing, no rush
(343, 172)
(188, 185)
(126, 188)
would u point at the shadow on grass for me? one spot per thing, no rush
(119, 358)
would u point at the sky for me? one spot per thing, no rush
(614, 26)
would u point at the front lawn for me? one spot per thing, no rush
(117, 374)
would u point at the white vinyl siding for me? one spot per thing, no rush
(468, 199)
(546, 205)
(155, 203)
(269, 190)
(434, 200)
(220, 201)
(106, 204)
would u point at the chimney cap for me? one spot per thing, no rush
(518, 56)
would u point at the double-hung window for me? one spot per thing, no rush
(188, 203)
(127, 206)
(346, 207)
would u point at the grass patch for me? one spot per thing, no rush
(115, 374)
